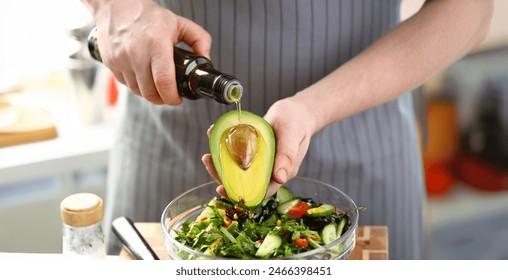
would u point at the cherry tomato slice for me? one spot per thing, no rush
(301, 242)
(298, 210)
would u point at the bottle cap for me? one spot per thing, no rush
(81, 210)
(233, 91)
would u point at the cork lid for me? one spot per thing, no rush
(81, 210)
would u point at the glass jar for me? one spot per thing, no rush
(82, 234)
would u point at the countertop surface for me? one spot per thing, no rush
(371, 242)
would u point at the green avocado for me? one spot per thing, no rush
(243, 151)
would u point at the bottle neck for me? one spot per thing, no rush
(229, 89)
(223, 88)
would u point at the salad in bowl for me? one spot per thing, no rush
(305, 219)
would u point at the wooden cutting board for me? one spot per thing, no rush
(20, 125)
(371, 242)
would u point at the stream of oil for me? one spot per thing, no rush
(239, 111)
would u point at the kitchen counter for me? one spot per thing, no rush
(371, 242)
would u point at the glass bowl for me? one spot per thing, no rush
(190, 204)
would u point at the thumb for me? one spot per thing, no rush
(284, 160)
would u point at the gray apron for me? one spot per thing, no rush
(277, 48)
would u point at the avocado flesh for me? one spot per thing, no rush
(245, 180)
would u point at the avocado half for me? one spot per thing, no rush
(243, 152)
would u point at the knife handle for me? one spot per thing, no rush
(133, 241)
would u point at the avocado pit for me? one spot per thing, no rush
(242, 144)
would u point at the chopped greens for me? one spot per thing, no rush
(224, 230)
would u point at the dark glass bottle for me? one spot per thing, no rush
(196, 76)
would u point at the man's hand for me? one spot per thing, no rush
(136, 39)
(294, 126)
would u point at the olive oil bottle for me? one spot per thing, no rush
(196, 76)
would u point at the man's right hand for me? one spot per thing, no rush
(136, 39)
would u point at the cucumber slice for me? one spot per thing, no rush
(339, 248)
(329, 233)
(283, 195)
(286, 206)
(223, 204)
(321, 211)
(341, 225)
(271, 243)
(313, 243)
(227, 234)
(233, 228)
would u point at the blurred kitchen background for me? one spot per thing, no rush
(58, 108)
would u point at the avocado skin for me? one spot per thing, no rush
(256, 178)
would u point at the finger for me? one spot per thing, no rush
(273, 187)
(208, 162)
(222, 191)
(285, 159)
(131, 82)
(194, 36)
(209, 130)
(164, 75)
(124, 79)
(147, 86)
(119, 77)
